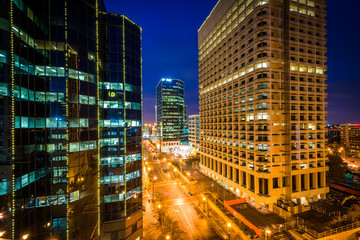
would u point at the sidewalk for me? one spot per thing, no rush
(216, 214)
(209, 217)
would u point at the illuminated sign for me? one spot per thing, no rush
(111, 94)
(166, 79)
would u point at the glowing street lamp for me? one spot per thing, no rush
(26, 236)
(153, 193)
(190, 183)
(229, 227)
(204, 199)
(2, 233)
(167, 237)
(267, 232)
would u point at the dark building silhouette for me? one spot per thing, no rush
(70, 117)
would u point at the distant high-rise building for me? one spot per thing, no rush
(146, 130)
(194, 131)
(350, 137)
(332, 133)
(70, 117)
(262, 99)
(171, 112)
(154, 131)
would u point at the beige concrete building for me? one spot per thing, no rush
(350, 136)
(194, 132)
(262, 99)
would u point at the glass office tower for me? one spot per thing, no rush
(60, 157)
(120, 107)
(171, 112)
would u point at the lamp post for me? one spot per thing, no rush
(153, 189)
(267, 231)
(160, 218)
(206, 209)
(190, 183)
(148, 175)
(204, 199)
(229, 227)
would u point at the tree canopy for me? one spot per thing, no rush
(337, 167)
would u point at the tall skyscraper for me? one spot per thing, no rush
(262, 99)
(171, 112)
(70, 97)
(194, 132)
(120, 122)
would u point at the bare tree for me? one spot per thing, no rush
(167, 225)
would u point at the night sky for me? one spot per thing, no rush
(169, 43)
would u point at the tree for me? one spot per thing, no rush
(192, 159)
(354, 212)
(165, 222)
(337, 167)
(171, 228)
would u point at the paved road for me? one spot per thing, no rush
(180, 206)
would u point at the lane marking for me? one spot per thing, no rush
(160, 173)
(192, 230)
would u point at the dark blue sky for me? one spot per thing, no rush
(170, 50)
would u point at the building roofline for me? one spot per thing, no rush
(208, 16)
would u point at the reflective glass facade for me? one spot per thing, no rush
(120, 128)
(70, 123)
(171, 111)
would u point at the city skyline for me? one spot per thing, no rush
(177, 52)
(170, 120)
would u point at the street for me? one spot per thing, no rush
(180, 206)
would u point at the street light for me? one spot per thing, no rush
(153, 188)
(204, 199)
(167, 237)
(229, 227)
(267, 231)
(2, 233)
(190, 183)
(26, 236)
(159, 206)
